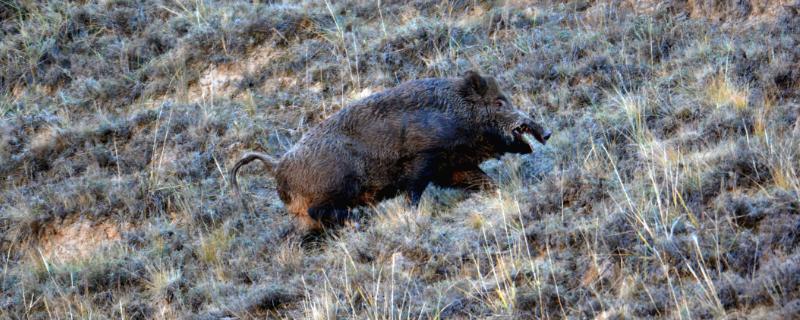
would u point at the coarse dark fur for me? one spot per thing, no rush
(398, 141)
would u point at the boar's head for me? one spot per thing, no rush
(501, 124)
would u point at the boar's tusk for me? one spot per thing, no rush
(530, 140)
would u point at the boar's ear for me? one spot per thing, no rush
(473, 84)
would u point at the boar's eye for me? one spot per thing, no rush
(499, 103)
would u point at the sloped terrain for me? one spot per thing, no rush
(669, 189)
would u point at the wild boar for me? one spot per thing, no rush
(436, 130)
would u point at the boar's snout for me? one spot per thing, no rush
(534, 129)
(546, 135)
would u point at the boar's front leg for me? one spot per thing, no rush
(470, 179)
(420, 173)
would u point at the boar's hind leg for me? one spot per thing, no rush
(337, 191)
(471, 179)
(329, 215)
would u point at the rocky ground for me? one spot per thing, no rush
(670, 188)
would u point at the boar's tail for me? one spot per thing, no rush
(268, 161)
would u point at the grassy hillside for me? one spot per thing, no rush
(670, 188)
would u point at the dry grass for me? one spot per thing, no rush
(723, 93)
(670, 188)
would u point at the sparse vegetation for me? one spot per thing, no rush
(670, 187)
